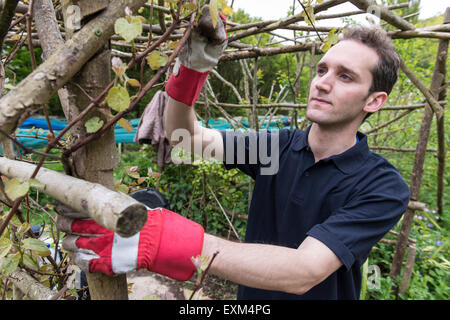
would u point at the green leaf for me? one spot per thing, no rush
(5, 246)
(28, 261)
(16, 189)
(93, 124)
(133, 171)
(214, 12)
(122, 188)
(36, 245)
(10, 263)
(155, 60)
(118, 98)
(36, 184)
(163, 60)
(128, 30)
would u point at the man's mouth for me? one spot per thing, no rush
(320, 101)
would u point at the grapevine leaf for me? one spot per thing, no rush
(118, 98)
(128, 30)
(16, 189)
(93, 124)
(154, 60)
(36, 184)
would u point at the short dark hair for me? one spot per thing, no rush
(385, 73)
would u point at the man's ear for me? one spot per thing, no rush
(375, 101)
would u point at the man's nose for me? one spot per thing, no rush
(324, 82)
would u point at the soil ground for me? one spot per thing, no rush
(145, 285)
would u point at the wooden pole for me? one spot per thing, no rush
(419, 160)
(441, 67)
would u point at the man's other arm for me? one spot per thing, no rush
(181, 116)
(271, 267)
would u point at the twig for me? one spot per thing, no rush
(59, 293)
(198, 285)
(29, 150)
(225, 214)
(310, 20)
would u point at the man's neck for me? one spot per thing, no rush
(328, 141)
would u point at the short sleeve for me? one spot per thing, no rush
(352, 230)
(254, 153)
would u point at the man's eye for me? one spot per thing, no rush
(320, 71)
(345, 77)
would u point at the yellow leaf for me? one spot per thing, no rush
(153, 60)
(133, 82)
(189, 6)
(16, 189)
(214, 12)
(325, 46)
(228, 11)
(173, 45)
(308, 14)
(125, 124)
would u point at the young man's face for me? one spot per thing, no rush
(338, 92)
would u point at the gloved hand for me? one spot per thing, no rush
(165, 244)
(196, 59)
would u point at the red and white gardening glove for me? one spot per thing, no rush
(197, 58)
(165, 244)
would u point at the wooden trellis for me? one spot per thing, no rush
(74, 59)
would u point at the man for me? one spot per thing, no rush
(313, 222)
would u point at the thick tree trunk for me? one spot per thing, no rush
(96, 161)
(37, 88)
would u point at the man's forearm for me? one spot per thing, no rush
(179, 116)
(260, 266)
(204, 141)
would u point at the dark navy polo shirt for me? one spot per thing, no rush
(348, 202)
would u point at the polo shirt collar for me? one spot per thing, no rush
(347, 161)
(353, 158)
(301, 140)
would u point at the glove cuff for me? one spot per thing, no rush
(186, 86)
(180, 240)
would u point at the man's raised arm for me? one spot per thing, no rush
(197, 58)
(181, 123)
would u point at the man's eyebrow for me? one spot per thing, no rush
(347, 70)
(340, 68)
